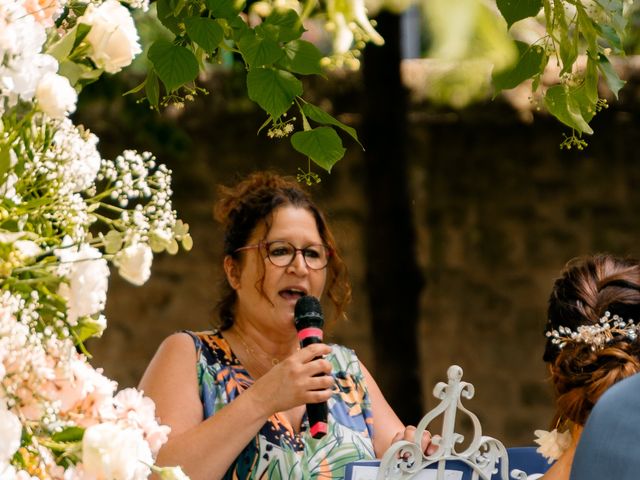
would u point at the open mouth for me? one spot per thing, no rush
(292, 293)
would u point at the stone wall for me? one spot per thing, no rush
(499, 209)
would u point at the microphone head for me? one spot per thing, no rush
(308, 313)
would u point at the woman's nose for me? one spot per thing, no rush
(298, 264)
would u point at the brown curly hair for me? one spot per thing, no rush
(245, 206)
(587, 288)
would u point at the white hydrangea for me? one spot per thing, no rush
(56, 97)
(21, 41)
(76, 151)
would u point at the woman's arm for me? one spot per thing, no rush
(387, 427)
(206, 448)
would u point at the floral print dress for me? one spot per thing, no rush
(277, 452)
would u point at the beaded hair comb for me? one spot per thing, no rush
(598, 335)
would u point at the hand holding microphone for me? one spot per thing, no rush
(309, 321)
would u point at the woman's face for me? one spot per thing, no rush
(282, 286)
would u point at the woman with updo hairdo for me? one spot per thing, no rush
(235, 396)
(592, 343)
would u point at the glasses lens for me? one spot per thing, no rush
(282, 254)
(316, 256)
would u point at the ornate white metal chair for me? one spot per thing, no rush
(485, 458)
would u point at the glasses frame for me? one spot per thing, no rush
(265, 245)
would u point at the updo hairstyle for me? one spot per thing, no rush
(587, 289)
(245, 206)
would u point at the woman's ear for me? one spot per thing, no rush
(232, 271)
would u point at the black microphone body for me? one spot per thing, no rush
(309, 321)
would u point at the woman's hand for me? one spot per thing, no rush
(304, 377)
(409, 434)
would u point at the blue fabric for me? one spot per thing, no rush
(608, 447)
(527, 459)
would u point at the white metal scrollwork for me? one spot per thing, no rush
(404, 459)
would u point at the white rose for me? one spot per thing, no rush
(10, 433)
(134, 263)
(115, 453)
(87, 275)
(55, 95)
(113, 37)
(172, 473)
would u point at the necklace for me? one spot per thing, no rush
(273, 361)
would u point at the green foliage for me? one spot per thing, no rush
(175, 65)
(576, 32)
(273, 89)
(531, 61)
(514, 10)
(274, 56)
(322, 144)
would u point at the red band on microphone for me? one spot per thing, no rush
(310, 332)
(318, 430)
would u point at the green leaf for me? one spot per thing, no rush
(613, 9)
(69, 434)
(612, 38)
(206, 32)
(274, 90)
(225, 8)
(175, 65)
(321, 144)
(591, 80)
(135, 89)
(302, 57)
(610, 75)
(531, 62)
(87, 327)
(588, 28)
(152, 88)
(564, 110)
(164, 9)
(63, 47)
(71, 70)
(178, 6)
(320, 116)
(568, 45)
(288, 23)
(5, 161)
(258, 51)
(514, 10)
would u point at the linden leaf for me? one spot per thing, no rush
(272, 89)
(321, 144)
(514, 10)
(175, 65)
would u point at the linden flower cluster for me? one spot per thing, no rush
(65, 214)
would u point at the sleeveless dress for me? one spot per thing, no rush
(277, 452)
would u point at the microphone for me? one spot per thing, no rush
(309, 321)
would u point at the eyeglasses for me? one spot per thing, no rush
(282, 254)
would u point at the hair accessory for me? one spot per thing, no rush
(598, 335)
(552, 444)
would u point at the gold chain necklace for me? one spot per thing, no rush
(273, 361)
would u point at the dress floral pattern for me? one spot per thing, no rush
(278, 452)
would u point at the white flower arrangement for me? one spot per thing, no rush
(65, 214)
